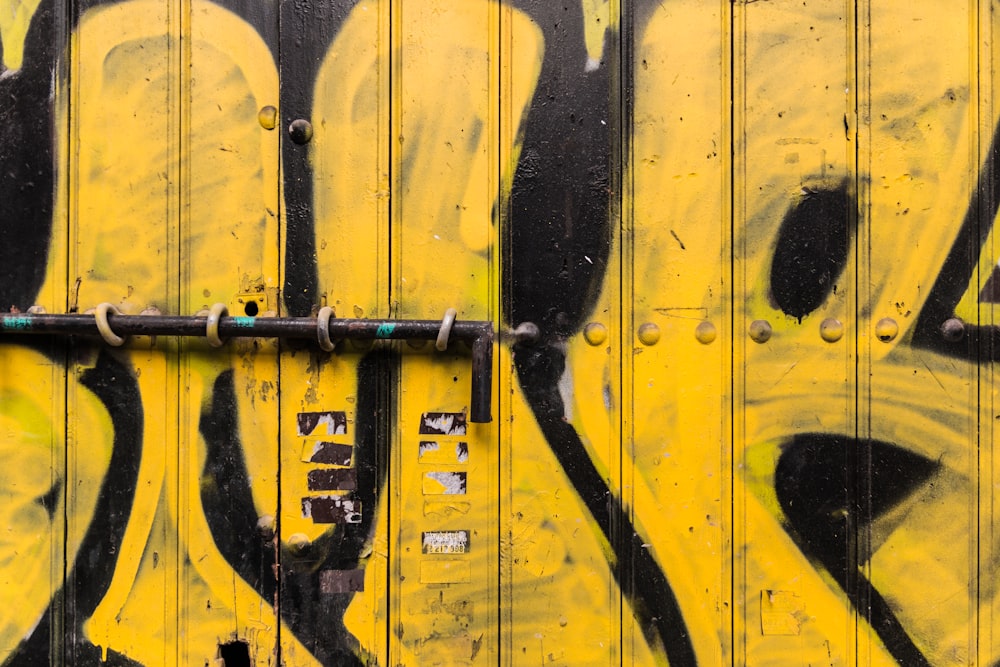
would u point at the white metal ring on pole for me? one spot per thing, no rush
(323, 329)
(216, 313)
(444, 333)
(101, 317)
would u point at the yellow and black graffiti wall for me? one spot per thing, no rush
(522, 332)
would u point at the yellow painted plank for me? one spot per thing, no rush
(794, 180)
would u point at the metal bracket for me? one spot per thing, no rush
(478, 334)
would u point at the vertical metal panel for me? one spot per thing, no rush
(794, 259)
(443, 140)
(921, 158)
(565, 433)
(675, 340)
(334, 64)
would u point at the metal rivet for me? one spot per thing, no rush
(886, 329)
(417, 343)
(595, 333)
(265, 526)
(649, 333)
(953, 330)
(301, 131)
(760, 331)
(299, 542)
(525, 333)
(268, 117)
(705, 333)
(831, 330)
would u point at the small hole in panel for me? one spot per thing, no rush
(251, 309)
(235, 654)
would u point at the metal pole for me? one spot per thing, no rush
(478, 334)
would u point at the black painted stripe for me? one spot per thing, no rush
(307, 29)
(93, 569)
(313, 613)
(558, 236)
(960, 265)
(640, 577)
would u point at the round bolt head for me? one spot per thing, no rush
(301, 131)
(649, 334)
(705, 333)
(760, 331)
(265, 526)
(831, 330)
(268, 117)
(595, 333)
(299, 542)
(953, 330)
(526, 333)
(886, 329)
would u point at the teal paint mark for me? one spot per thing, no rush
(244, 322)
(385, 330)
(17, 323)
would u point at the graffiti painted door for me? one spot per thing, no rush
(741, 263)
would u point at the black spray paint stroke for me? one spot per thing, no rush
(959, 268)
(558, 236)
(308, 28)
(811, 250)
(645, 585)
(316, 619)
(94, 567)
(830, 489)
(557, 243)
(26, 159)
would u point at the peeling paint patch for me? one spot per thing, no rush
(779, 612)
(328, 452)
(444, 483)
(443, 423)
(445, 509)
(322, 423)
(332, 582)
(332, 479)
(445, 542)
(428, 449)
(331, 509)
(445, 572)
(432, 452)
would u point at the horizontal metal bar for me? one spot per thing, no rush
(478, 333)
